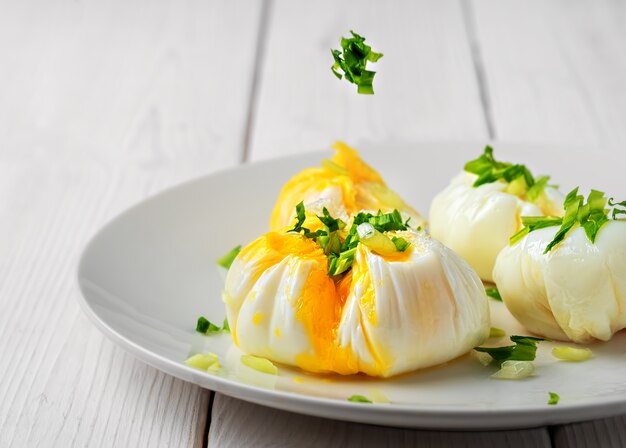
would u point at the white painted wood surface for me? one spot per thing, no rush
(102, 104)
(425, 84)
(555, 70)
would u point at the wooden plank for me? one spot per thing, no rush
(605, 433)
(101, 105)
(146, 82)
(425, 84)
(237, 423)
(555, 70)
(62, 382)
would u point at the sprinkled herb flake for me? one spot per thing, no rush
(352, 60)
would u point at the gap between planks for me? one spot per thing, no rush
(264, 20)
(204, 427)
(467, 8)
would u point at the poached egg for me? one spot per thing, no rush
(577, 291)
(385, 316)
(345, 185)
(477, 222)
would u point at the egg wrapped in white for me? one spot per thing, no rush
(477, 222)
(576, 291)
(385, 316)
(345, 185)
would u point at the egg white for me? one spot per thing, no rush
(478, 222)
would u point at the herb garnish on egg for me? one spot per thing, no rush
(521, 180)
(341, 254)
(591, 216)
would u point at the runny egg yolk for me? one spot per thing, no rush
(362, 188)
(321, 301)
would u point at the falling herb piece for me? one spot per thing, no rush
(520, 179)
(493, 293)
(228, 259)
(590, 215)
(359, 399)
(352, 61)
(525, 349)
(553, 398)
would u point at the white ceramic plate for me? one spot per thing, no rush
(149, 274)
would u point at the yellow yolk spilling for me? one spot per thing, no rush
(385, 316)
(346, 183)
(320, 305)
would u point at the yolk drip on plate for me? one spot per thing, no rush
(320, 303)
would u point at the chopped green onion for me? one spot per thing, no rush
(401, 243)
(535, 190)
(616, 210)
(340, 263)
(572, 354)
(520, 179)
(591, 216)
(359, 399)
(375, 240)
(383, 222)
(208, 361)
(532, 223)
(553, 398)
(496, 332)
(205, 326)
(225, 325)
(352, 60)
(260, 364)
(493, 293)
(332, 224)
(377, 396)
(341, 254)
(525, 349)
(228, 259)
(514, 370)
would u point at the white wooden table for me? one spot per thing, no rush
(105, 103)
